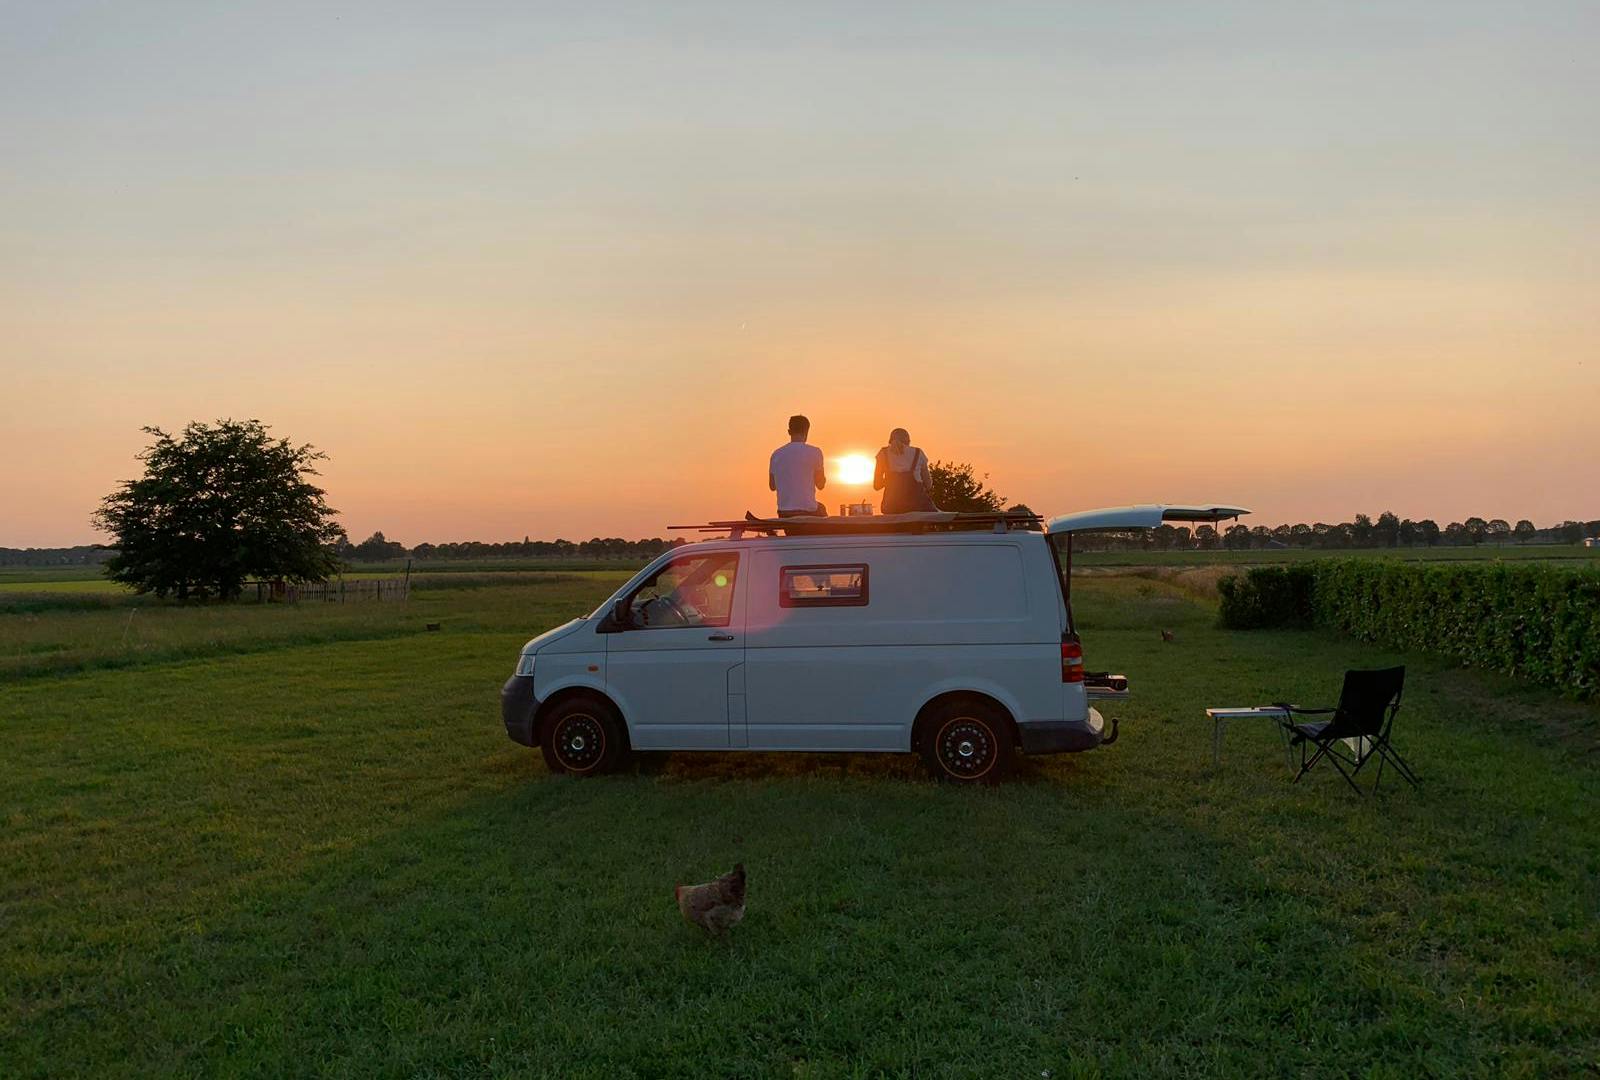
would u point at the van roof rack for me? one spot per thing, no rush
(867, 524)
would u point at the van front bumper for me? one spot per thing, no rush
(517, 709)
(1062, 736)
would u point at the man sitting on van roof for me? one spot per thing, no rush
(795, 473)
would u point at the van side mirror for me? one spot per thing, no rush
(619, 618)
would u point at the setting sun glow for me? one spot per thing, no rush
(855, 469)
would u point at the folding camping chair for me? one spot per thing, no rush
(1358, 731)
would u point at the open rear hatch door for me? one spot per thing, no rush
(1119, 519)
(1123, 518)
(1104, 687)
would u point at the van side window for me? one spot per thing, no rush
(823, 586)
(696, 590)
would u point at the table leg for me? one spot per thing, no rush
(1217, 725)
(1288, 746)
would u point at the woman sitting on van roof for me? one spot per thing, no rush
(902, 475)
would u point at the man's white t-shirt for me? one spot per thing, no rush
(794, 467)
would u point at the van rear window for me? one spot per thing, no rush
(823, 586)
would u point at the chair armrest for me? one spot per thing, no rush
(1297, 711)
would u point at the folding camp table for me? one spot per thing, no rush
(1219, 723)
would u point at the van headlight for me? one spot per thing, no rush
(525, 664)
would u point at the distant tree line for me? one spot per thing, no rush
(1388, 531)
(377, 548)
(82, 555)
(1363, 532)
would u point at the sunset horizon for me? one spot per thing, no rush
(631, 522)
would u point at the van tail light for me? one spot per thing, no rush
(1071, 661)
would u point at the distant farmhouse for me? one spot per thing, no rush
(1591, 541)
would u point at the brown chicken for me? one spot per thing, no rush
(1167, 635)
(716, 905)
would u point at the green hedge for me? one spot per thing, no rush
(1536, 622)
(1267, 596)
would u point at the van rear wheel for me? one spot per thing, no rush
(968, 742)
(583, 737)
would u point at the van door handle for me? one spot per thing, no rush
(720, 637)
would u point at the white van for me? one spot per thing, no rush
(946, 635)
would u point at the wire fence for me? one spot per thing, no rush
(336, 591)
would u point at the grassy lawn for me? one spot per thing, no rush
(13, 575)
(15, 582)
(91, 579)
(308, 849)
(56, 582)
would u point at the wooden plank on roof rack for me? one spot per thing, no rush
(867, 524)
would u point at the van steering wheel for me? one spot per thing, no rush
(683, 617)
(668, 604)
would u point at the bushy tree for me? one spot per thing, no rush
(217, 505)
(1387, 530)
(1360, 531)
(956, 487)
(377, 548)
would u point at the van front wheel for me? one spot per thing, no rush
(968, 742)
(582, 737)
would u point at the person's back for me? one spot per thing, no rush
(796, 473)
(903, 475)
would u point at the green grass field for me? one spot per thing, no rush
(295, 841)
(92, 579)
(44, 633)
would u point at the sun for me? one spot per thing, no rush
(855, 469)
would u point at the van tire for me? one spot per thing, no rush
(583, 736)
(967, 741)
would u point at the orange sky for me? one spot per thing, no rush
(569, 276)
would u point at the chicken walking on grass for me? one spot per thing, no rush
(716, 905)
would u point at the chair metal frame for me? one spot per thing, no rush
(1368, 723)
